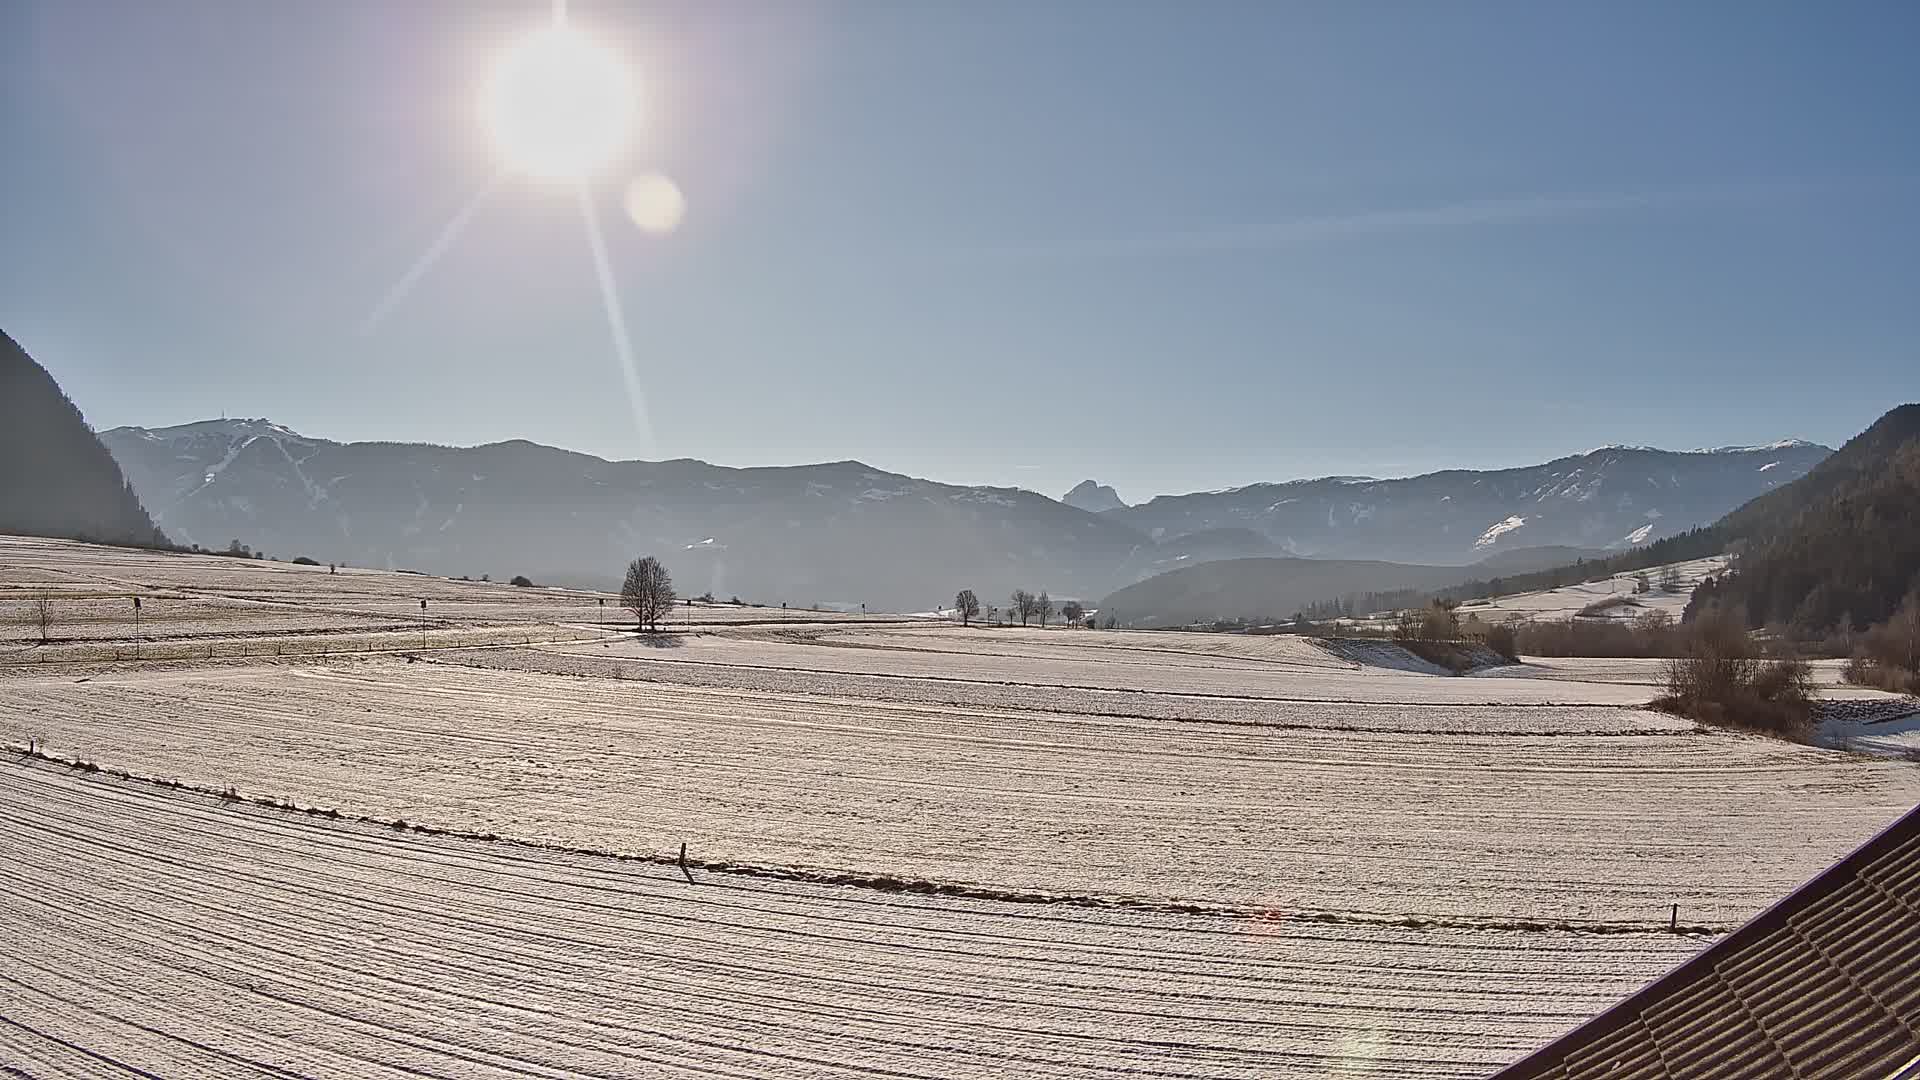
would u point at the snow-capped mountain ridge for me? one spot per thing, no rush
(1777, 444)
(845, 530)
(1610, 497)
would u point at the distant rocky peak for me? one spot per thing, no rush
(1093, 497)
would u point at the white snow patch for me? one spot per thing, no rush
(984, 495)
(1498, 529)
(1639, 535)
(1769, 465)
(232, 452)
(1777, 444)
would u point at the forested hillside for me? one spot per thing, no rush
(1838, 549)
(55, 477)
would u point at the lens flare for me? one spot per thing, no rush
(655, 203)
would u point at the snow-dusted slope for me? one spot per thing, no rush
(848, 533)
(1610, 497)
(1616, 593)
(835, 533)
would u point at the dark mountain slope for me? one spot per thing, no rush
(1839, 548)
(55, 477)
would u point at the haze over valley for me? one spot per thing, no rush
(792, 540)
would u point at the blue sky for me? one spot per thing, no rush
(1167, 246)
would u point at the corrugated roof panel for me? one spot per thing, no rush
(1824, 984)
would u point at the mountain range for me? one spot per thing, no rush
(845, 533)
(1611, 497)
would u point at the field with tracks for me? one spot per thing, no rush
(919, 850)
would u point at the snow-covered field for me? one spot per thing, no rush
(1256, 858)
(1313, 676)
(1570, 600)
(176, 934)
(211, 607)
(1442, 811)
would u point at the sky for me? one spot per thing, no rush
(1169, 247)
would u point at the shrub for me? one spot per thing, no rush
(1888, 654)
(523, 581)
(1864, 670)
(1435, 622)
(302, 560)
(1722, 680)
(1606, 604)
(1503, 639)
(1651, 635)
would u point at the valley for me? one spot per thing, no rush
(907, 840)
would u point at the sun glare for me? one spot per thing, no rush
(559, 106)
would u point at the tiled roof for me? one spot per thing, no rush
(1826, 983)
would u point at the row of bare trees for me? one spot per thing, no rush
(1022, 605)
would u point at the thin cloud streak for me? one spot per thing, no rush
(1520, 210)
(441, 243)
(616, 321)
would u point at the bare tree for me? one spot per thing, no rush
(1021, 603)
(1073, 612)
(43, 614)
(1670, 580)
(647, 592)
(967, 605)
(1905, 627)
(1043, 608)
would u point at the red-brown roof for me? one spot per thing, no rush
(1826, 983)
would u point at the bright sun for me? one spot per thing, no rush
(559, 105)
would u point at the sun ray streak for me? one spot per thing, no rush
(432, 255)
(616, 321)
